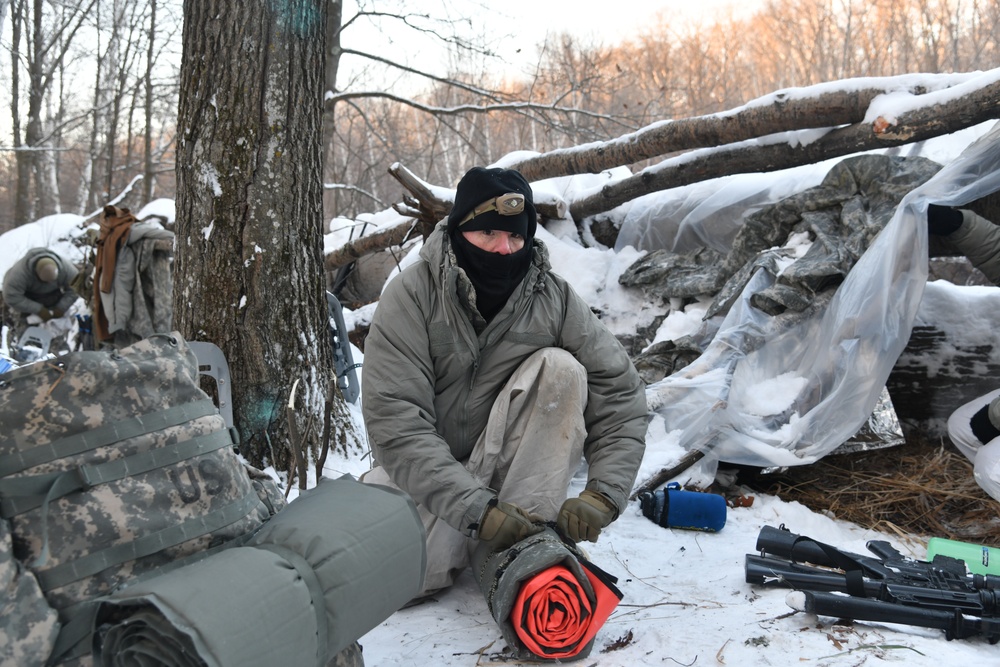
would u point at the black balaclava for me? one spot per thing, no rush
(481, 193)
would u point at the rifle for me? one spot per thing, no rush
(887, 588)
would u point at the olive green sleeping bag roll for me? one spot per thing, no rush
(547, 598)
(332, 565)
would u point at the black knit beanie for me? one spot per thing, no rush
(482, 186)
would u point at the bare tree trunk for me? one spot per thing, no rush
(23, 209)
(113, 74)
(33, 128)
(92, 198)
(334, 22)
(147, 80)
(47, 183)
(248, 269)
(46, 42)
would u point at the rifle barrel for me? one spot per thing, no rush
(955, 625)
(767, 571)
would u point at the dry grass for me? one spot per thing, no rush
(922, 487)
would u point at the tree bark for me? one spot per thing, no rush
(919, 124)
(147, 81)
(248, 269)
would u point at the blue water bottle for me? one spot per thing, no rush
(673, 507)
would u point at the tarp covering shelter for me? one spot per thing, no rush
(836, 357)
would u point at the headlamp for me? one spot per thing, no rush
(511, 203)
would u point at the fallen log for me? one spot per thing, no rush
(783, 111)
(350, 252)
(936, 118)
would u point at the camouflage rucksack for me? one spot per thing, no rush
(28, 626)
(112, 465)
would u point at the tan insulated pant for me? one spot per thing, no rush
(528, 452)
(985, 458)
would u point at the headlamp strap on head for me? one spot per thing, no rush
(511, 203)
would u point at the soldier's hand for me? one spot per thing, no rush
(943, 220)
(45, 314)
(583, 518)
(982, 427)
(504, 525)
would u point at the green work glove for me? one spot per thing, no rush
(943, 220)
(583, 518)
(45, 314)
(504, 525)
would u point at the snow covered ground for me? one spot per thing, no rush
(685, 601)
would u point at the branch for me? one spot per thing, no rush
(354, 188)
(366, 245)
(811, 107)
(445, 80)
(407, 20)
(333, 98)
(955, 112)
(114, 202)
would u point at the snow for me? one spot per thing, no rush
(685, 598)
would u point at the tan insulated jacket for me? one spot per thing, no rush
(979, 240)
(430, 380)
(25, 293)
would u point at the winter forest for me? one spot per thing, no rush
(90, 92)
(126, 103)
(297, 149)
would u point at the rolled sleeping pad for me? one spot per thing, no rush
(548, 600)
(332, 565)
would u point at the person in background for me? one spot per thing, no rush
(37, 289)
(975, 426)
(487, 378)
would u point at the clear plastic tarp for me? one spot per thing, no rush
(832, 364)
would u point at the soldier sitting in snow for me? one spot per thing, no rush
(975, 426)
(487, 378)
